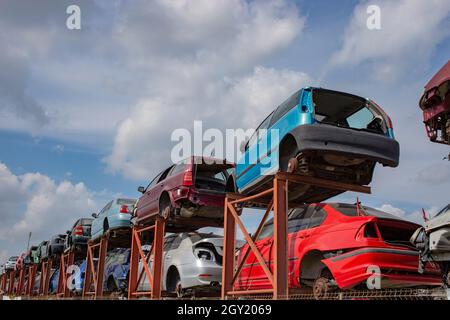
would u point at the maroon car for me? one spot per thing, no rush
(192, 188)
(435, 103)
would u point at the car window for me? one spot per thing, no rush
(255, 135)
(164, 174)
(179, 167)
(267, 230)
(154, 181)
(284, 108)
(443, 211)
(175, 243)
(360, 119)
(168, 243)
(106, 208)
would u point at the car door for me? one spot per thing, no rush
(157, 191)
(252, 163)
(97, 224)
(252, 275)
(144, 203)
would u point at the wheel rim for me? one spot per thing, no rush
(321, 288)
(166, 212)
(179, 289)
(292, 165)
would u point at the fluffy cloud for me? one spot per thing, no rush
(35, 203)
(407, 26)
(414, 215)
(142, 144)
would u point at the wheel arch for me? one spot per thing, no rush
(288, 148)
(311, 265)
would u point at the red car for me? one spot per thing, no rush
(194, 187)
(336, 246)
(435, 103)
(23, 261)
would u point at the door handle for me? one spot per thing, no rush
(303, 236)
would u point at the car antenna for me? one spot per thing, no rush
(424, 215)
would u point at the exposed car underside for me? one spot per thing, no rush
(435, 103)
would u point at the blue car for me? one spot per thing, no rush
(115, 215)
(77, 278)
(117, 266)
(320, 133)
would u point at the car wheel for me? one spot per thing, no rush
(111, 285)
(322, 286)
(105, 226)
(179, 289)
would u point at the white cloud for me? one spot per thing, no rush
(35, 203)
(142, 144)
(414, 216)
(410, 30)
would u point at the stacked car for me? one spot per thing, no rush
(321, 133)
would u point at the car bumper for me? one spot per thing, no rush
(396, 268)
(343, 141)
(204, 275)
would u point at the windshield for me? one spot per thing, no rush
(348, 111)
(443, 211)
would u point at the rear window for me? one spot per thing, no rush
(127, 202)
(347, 111)
(351, 211)
(211, 176)
(86, 222)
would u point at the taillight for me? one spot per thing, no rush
(124, 209)
(78, 231)
(187, 178)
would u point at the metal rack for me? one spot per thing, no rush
(273, 199)
(46, 269)
(96, 257)
(67, 259)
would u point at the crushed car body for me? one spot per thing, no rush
(435, 104)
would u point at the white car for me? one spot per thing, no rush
(192, 263)
(433, 242)
(11, 263)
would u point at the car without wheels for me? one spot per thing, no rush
(433, 242)
(10, 264)
(194, 187)
(333, 247)
(319, 133)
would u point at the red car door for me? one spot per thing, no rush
(252, 275)
(157, 191)
(144, 203)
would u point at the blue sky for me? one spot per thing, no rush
(86, 115)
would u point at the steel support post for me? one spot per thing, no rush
(280, 248)
(67, 259)
(95, 271)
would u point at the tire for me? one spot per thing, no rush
(105, 226)
(165, 207)
(111, 285)
(174, 282)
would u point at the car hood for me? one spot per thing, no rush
(438, 222)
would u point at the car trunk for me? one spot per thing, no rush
(211, 178)
(395, 232)
(348, 111)
(209, 249)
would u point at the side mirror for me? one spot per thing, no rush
(68, 231)
(141, 189)
(242, 146)
(94, 215)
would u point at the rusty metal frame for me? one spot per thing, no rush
(46, 269)
(3, 283)
(154, 276)
(94, 273)
(11, 283)
(67, 259)
(32, 269)
(276, 199)
(21, 283)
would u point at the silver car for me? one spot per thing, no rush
(192, 263)
(433, 242)
(11, 263)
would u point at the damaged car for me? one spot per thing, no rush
(338, 246)
(320, 133)
(192, 188)
(435, 104)
(192, 264)
(433, 242)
